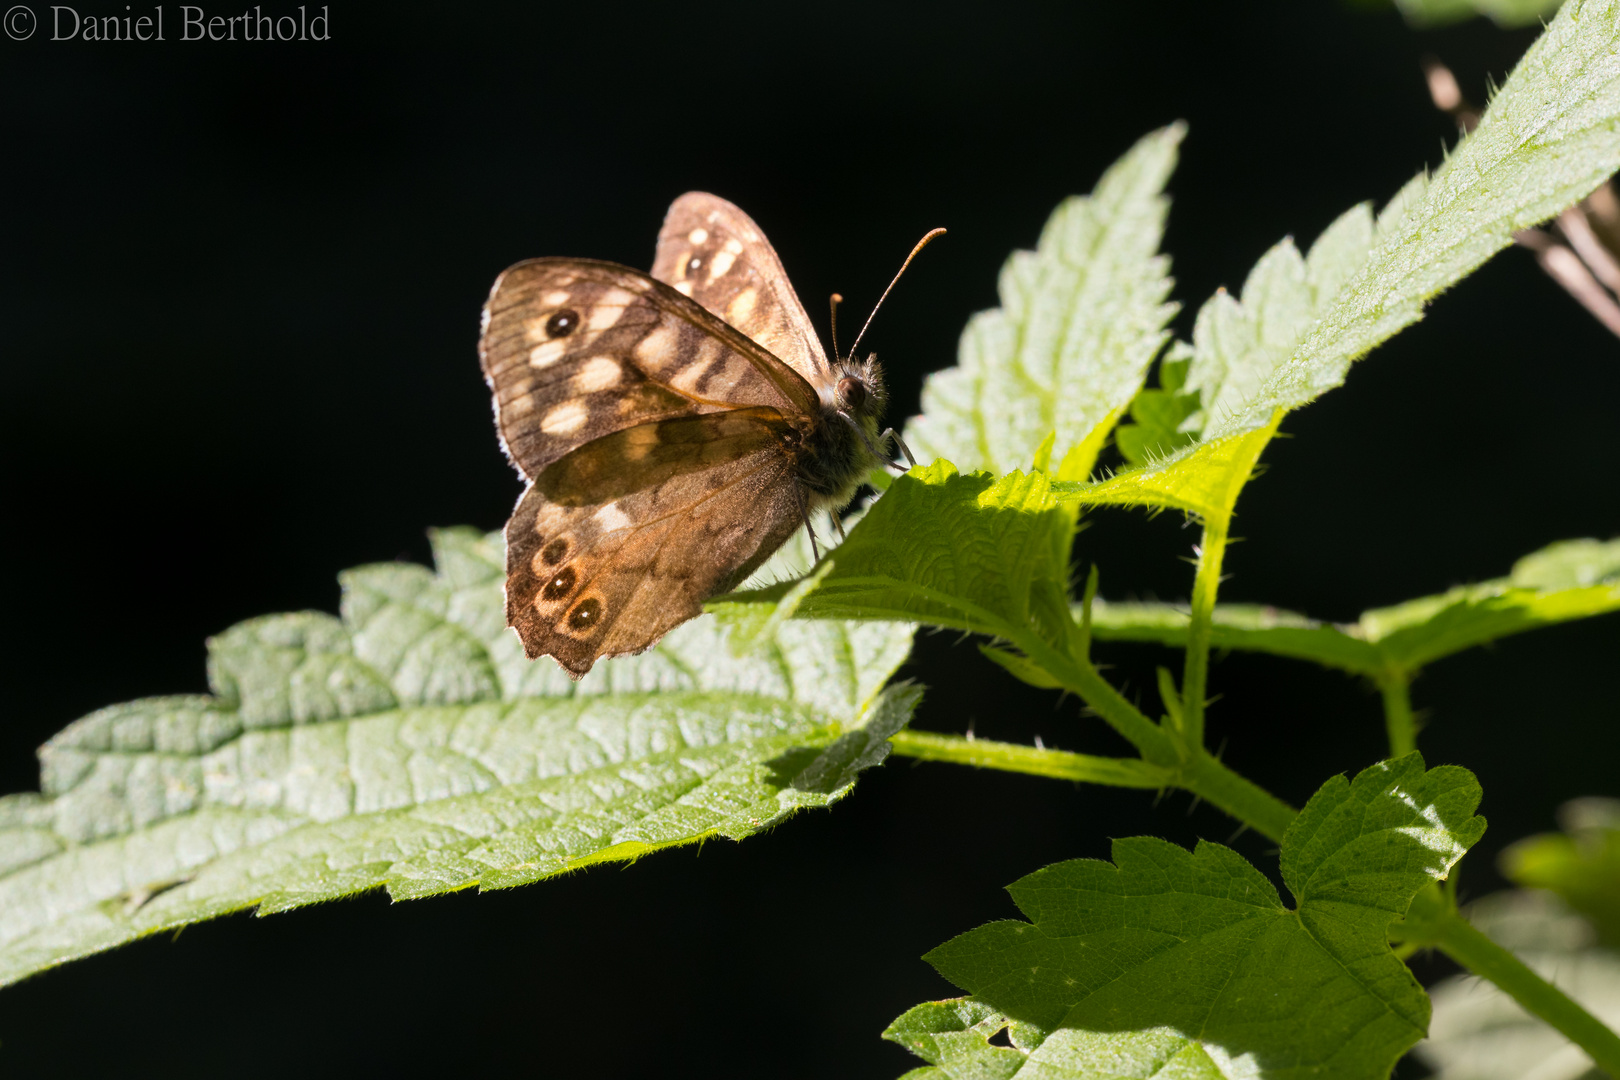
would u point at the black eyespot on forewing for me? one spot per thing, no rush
(553, 552)
(562, 323)
(559, 586)
(586, 615)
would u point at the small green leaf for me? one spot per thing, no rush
(1170, 962)
(1081, 318)
(1580, 864)
(1508, 14)
(410, 746)
(1572, 579)
(1548, 138)
(968, 552)
(1159, 415)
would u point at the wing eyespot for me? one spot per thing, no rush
(559, 586)
(553, 553)
(562, 323)
(586, 615)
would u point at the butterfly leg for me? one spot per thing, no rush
(904, 449)
(838, 524)
(804, 509)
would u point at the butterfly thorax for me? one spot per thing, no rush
(841, 445)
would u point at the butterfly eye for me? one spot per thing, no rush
(563, 323)
(851, 394)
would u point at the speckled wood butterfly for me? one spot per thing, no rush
(674, 430)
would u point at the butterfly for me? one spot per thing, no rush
(674, 429)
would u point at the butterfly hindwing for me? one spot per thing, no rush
(710, 250)
(624, 538)
(575, 349)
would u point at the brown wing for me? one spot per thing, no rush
(575, 349)
(624, 538)
(714, 253)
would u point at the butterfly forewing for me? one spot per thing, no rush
(575, 349)
(711, 251)
(625, 537)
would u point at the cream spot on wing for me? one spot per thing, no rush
(598, 373)
(684, 288)
(556, 298)
(521, 405)
(565, 419)
(611, 519)
(657, 348)
(733, 247)
(549, 353)
(720, 264)
(742, 305)
(603, 317)
(639, 441)
(698, 236)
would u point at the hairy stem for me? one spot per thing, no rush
(1435, 923)
(1195, 677)
(1398, 712)
(1236, 795)
(1035, 761)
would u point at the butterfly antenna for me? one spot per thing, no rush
(833, 303)
(920, 245)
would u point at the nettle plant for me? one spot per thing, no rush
(409, 746)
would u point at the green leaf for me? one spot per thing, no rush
(967, 552)
(1081, 318)
(1426, 14)
(409, 746)
(1170, 962)
(1571, 579)
(1159, 414)
(1548, 138)
(1480, 1033)
(1580, 864)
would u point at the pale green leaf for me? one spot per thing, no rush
(1580, 864)
(1479, 1033)
(1548, 138)
(1170, 962)
(1572, 579)
(409, 746)
(1081, 318)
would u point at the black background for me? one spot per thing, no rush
(240, 297)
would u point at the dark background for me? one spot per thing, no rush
(239, 297)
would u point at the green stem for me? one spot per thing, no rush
(1239, 797)
(1398, 712)
(1035, 761)
(1195, 678)
(1457, 938)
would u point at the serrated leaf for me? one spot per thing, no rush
(1580, 864)
(1188, 962)
(1549, 137)
(1479, 1033)
(1571, 579)
(409, 746)
(1081, 318)
(969, 552)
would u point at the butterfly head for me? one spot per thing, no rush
(858, 394)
